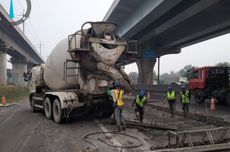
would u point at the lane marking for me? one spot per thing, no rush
(29, 136)
(146, 146)
(112, 139)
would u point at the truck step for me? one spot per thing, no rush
(38, 106)
(38, 98)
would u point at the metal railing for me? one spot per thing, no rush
(199, 137)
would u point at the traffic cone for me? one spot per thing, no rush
(212, 105)
(3, 100)
(148, 95)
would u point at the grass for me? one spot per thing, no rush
(13, 93)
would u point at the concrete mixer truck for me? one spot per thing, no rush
(78, 72)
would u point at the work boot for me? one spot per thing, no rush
(119, 128)
(124, 127)
(187, 116)
(137, 116)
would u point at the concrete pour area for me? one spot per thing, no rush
(193, 134)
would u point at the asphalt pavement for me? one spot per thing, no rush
(21, 130)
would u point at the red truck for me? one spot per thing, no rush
(207, 82)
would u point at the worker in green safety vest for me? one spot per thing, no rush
(171, 97)
(139, 102)
(185, 99)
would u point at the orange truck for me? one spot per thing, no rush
(207, 82)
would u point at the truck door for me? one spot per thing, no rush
(197, 80)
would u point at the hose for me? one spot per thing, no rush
(113, 132)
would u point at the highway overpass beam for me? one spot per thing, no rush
(3, 71)
(145, 71)
(19, 67)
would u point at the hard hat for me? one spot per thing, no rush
(142, 93)
(169, 87)
(116, 83)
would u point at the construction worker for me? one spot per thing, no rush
(118, 105)
(110, 92)
(171, 97)
(140, 101)
(185, 99)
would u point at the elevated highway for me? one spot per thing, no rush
(165, 26)
(14, 43)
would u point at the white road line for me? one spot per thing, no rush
(146, 146)
(113, 140)
(29, 136)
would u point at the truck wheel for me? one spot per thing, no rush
(228, 99)
(33, 108)
(107, 114)
(109, 111)
(57, 111)
(99, 113)
(199, 96)
(48, 108)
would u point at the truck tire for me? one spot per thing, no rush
(57, 111)
(228, 99)
(48, 108)
(98, 112)
(33, 108)
(107, 114)
(199, 96)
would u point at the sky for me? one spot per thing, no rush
(53, 20)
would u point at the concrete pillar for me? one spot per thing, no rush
(145, 71)
(18, 69)
(3, 68)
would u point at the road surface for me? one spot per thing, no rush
(25, 131)
(21, 130)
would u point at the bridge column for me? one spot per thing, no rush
(145, 71)
(3, 71)
(19, 67)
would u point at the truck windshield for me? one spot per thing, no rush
(193, 74)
